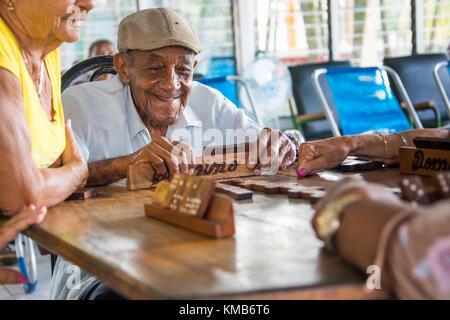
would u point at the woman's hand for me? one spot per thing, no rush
(9, 230)
(322, 154)
(72, 155)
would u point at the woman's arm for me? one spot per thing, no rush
(329, 153)
(377, 229)
(361, 221)
(21, 181)
(373, 146)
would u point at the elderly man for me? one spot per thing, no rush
(153, 104)
(149, 109)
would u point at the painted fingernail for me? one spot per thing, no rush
(301, 172)
(41, 209)
(22, 279)
(31, 206)
(257, 172)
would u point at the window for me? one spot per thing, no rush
(296, 31)
(436, 26)
(363, 31)
(372, 29)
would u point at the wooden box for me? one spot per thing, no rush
(218, 221)
(421, 161)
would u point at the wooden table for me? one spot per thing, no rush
(274, 253)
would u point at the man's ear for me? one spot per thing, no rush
(195, 63)
(122, 67)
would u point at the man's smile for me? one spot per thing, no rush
(166, 99)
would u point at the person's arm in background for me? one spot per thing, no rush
(378, 214)
(22, 182)
(329, 153)
(362, 220)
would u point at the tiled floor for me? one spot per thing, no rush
(16, 292)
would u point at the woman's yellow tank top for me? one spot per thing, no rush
(47, 137)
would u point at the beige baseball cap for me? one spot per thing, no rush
(156, 28)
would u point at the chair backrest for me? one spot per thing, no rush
(437, 77)
(306, 97)
(416, 73)
(227, 88)
(364, 100)
(102, 65)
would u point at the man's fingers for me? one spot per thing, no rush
(259, 148)
(156, 162)
(183, 162)
(181, 158)
(287, 154)
(10, 276)
(170, 160)
(283, 150)
(270, 157)
(188, 152)
(170, 157)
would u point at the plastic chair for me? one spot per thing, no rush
(416, 73)
(215, 76)
(306, 110)
(440, 85)
(102, 65)
(226, 87)
(364, 100)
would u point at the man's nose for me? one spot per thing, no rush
(170, 80)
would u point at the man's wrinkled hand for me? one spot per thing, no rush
(272, 151)
(167, 157)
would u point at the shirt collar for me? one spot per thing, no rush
(135, 124)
